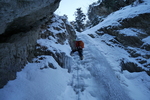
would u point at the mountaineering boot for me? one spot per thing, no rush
(81, 57)
(71, 53)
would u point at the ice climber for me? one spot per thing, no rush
(79, 45)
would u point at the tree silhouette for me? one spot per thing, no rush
(79, 20)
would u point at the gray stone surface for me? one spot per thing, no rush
(69, 34)
(15, 54)
(140, 22)
(20, 15)
(19, 30)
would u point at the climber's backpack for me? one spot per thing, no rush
(79, 44)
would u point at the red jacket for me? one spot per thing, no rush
(80, 44)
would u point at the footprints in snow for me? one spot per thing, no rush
(80, 73)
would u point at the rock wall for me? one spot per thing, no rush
(21, 15)
(15, 54)
(20, 22)
(140, 25)
(140, 22)
(62, 34)
(101, 9)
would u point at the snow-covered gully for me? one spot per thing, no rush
(93, 79)
(97, 77)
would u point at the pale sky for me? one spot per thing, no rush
(68, 7)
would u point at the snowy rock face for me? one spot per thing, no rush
(21, 15)
(19, 30)
(54, 37)
(100, 9)
(131, 31)
(15, 54)
(51, 38)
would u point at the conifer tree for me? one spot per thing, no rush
(79, 20)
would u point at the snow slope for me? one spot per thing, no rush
(97, 77)
(35, 84)
(136, 85)
(106, 85)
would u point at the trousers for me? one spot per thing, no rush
(80, 51)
